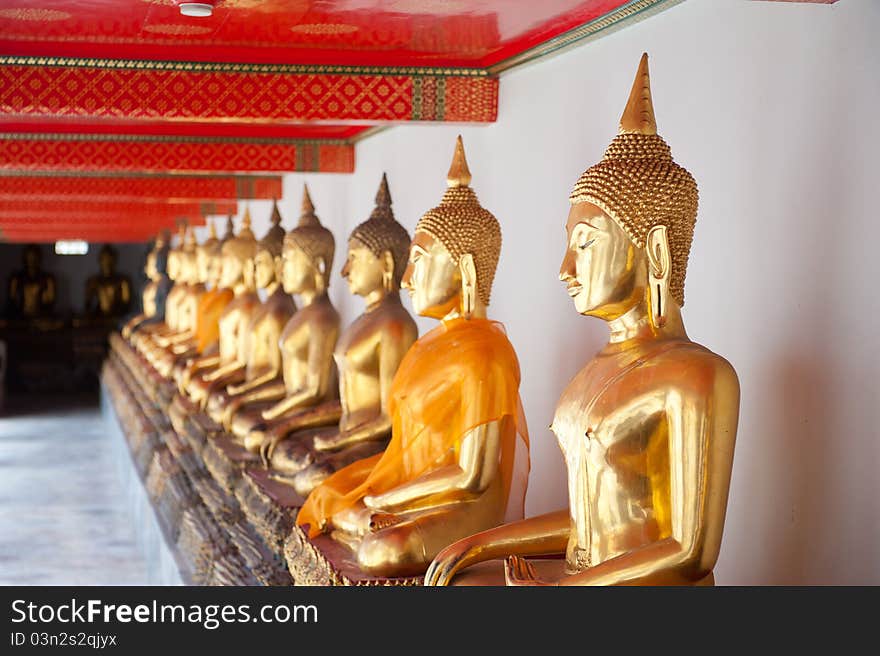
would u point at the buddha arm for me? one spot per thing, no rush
(535, 536)
(268, 393)
(477, 467)
(323, 414)
(229, 369)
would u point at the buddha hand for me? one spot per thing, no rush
(271, 440)
(450, 560)
(520, 572)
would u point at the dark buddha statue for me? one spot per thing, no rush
(108, 294)
(31, 290)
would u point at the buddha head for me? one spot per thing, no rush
(205, 255)
(31, 258)
(377, 249)
(107, 260)
(157, 259)
(237, 256)
(631, 221)
(175, 263)
(455, 250)
(189, 267)
(307, 253)
(267, 262)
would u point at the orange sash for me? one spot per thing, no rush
(211, 306)
(461, 375)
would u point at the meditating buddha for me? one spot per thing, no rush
(192, 287)
(108, 294)
(236, 274)
(367, 357)
(144, 341)
(31, 291)
(263, 355)
(202, 351)
(457, 460)
(155, 291)
(307, 340)
(647, 427)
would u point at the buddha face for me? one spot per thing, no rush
(363, 270)
(231, 269)
(214, 267)
(203, 264)
(150, 266)
(264, 269)
(173, 269)
(107, 262)
(606, 274)
(298, 270)
(32, 260)
(248, 273)
(432, 278)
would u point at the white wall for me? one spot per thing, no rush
(773, 107)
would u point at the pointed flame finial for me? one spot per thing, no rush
(230, 228)
(638, 117)
(189, 238)
(275, 219)
(307, 213)
(212, 229)
(459, 175)
(246, 219)
(383, 195)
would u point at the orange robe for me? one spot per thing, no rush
(211, 306)
(461, 375)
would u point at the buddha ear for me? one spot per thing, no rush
(468, 284)
(659, 269)
(388, 271)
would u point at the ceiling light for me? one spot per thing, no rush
(71, 247)
(196, 9)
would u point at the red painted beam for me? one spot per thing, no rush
(139, 188)
(148, 154)
(139, 90)
(22, 209)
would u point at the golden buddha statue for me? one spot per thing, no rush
(144, 341)
(155, 291)
(647, 428)
(108, 294)
(31, 292)
(188, 289)
(307, 340)
(456, 461)
(229, 364)
(367, 356)
(263, 355)
(177, 345)
(202, 352)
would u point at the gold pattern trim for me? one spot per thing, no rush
(225, 67)
(628, 14)
(64, 136)
(33, 14)
(324, 29)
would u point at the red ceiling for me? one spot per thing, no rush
(473, 33)
(109, 102)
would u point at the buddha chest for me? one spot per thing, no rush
(611, 426)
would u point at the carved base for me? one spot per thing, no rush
(270, 506)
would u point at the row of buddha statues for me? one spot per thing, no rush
(32, 292)
(412, 451)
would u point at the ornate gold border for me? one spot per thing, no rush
(227, 67)
(65, 136)
(621, 17)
